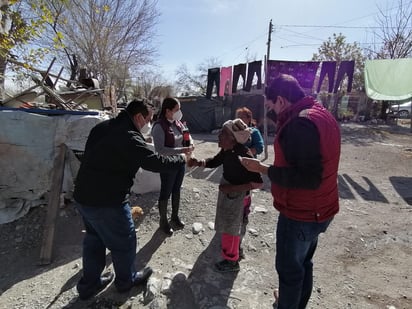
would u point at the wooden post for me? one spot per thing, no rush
(266, 84)
(53, 205)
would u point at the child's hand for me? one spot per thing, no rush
(256, 185)
(194, 162)
(188, 150)
(250, 152)
(225, 188)
(191, 162)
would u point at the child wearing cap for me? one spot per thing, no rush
(236, 181)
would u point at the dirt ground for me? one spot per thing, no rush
(363, 261)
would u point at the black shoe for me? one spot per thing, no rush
(142, 276)
(139, 277)
(166, 228)
(104, 282)
(241, 254)
(177, 223)
(226, 266)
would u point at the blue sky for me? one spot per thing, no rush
(191, 31)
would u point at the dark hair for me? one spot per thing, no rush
(137, 106)
(168, 103)
(285, 86)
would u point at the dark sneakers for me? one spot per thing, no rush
(104, 282)
(166, 228)
(177, 223)
(276, 295)
(142, 276)
(226, 266)
(241, 254)
(138, 278)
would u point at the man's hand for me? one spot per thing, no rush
(254, 165)
(194, 162)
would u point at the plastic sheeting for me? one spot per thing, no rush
(388, 79)
(205, 115)
(28, 146)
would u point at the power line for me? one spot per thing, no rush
(305, 45)
(247, 45)
(243, 47)
(303, 35)
(338, 27)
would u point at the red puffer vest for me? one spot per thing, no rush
(303, 204)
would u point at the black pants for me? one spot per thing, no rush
(213, 78)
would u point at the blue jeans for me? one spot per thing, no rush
(296, 243)
(171, 182)
(112, 228)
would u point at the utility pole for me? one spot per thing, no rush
(265, 123)
(269, 40)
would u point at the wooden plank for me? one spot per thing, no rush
(20, 95)
(53, 205)
(26, 65)
(58, 77)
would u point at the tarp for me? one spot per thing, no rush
(389, 79)
(202, 114)
(205, 115)
(28, 144)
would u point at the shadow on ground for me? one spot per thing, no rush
(204, 287)
(403, 186)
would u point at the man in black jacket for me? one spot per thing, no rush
(115, 150)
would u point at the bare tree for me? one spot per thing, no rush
(395, 31)
(143, 86)
(195, 83)
(189, 83)
(110, 38)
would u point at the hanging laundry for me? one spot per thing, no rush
(253, 68)
(328, 68)
(238, 70)
(303, 71)
(225, 81)
(213, 78)
(348, 68)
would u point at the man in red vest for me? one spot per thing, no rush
(304, 184)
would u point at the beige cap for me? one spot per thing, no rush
(239, 129)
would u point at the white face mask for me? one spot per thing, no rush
(146, 128)
(178, 115)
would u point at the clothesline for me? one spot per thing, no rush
(226, 79)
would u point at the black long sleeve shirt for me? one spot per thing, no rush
(114, 152)
(300, 142)
(233, 170)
